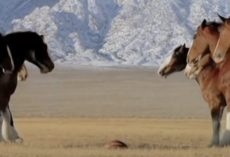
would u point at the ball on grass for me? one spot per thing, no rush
(116, 144)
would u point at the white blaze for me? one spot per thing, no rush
(165, 63)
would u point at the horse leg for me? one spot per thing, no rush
(225, 139)
(1, 138)
(216, 114)
(23, 73)
(9, 133)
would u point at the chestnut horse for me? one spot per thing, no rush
(15, 49)
(223, 43)
(218, 76)
(178, 59)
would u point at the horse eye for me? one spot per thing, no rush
(194, 37)
(177, 53)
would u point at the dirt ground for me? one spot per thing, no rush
(108, 92)
(74, 112)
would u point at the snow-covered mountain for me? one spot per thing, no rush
(110, 32)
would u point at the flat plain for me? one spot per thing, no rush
(74, 112)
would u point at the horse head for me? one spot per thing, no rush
(38, 53)
(203, 45)
(175, 62)
(223, 43)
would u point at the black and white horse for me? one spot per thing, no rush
(15, 48)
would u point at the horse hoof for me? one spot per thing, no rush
(116, 144)
(19, 140)
(213, 145)
(225, 138)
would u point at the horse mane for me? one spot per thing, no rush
(23, 34)
(214, 25)
(178, 48)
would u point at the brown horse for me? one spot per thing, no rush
(175, 62)
(178, 59)
(217, 76)
(223, 43)
(207, 33)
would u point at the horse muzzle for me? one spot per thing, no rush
(191, 71)
(164, 72)
(218, 57)
(47, 67)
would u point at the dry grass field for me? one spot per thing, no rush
(86, 137)
(75, 112)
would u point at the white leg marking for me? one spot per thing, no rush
(1, 138)
(9, 133)
(23, 73)
(225, 139)
(228, 121)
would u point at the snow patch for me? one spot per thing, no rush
(110, 32)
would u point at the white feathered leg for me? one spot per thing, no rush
(9, 133)
(1, 138)
(225, 139)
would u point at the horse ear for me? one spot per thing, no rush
(184, 46)
(203, 24)
(181, 49)
(222, 18)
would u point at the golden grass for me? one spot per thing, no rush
(140, 99)
(86, 137)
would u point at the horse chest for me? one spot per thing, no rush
(212, 95)
(8, 84)
(208, 80)
(224, 80)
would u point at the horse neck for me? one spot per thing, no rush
(18, 55)
(225, 65)
(212, 47)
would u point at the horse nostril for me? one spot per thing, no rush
(160, 73)
(51, 65)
